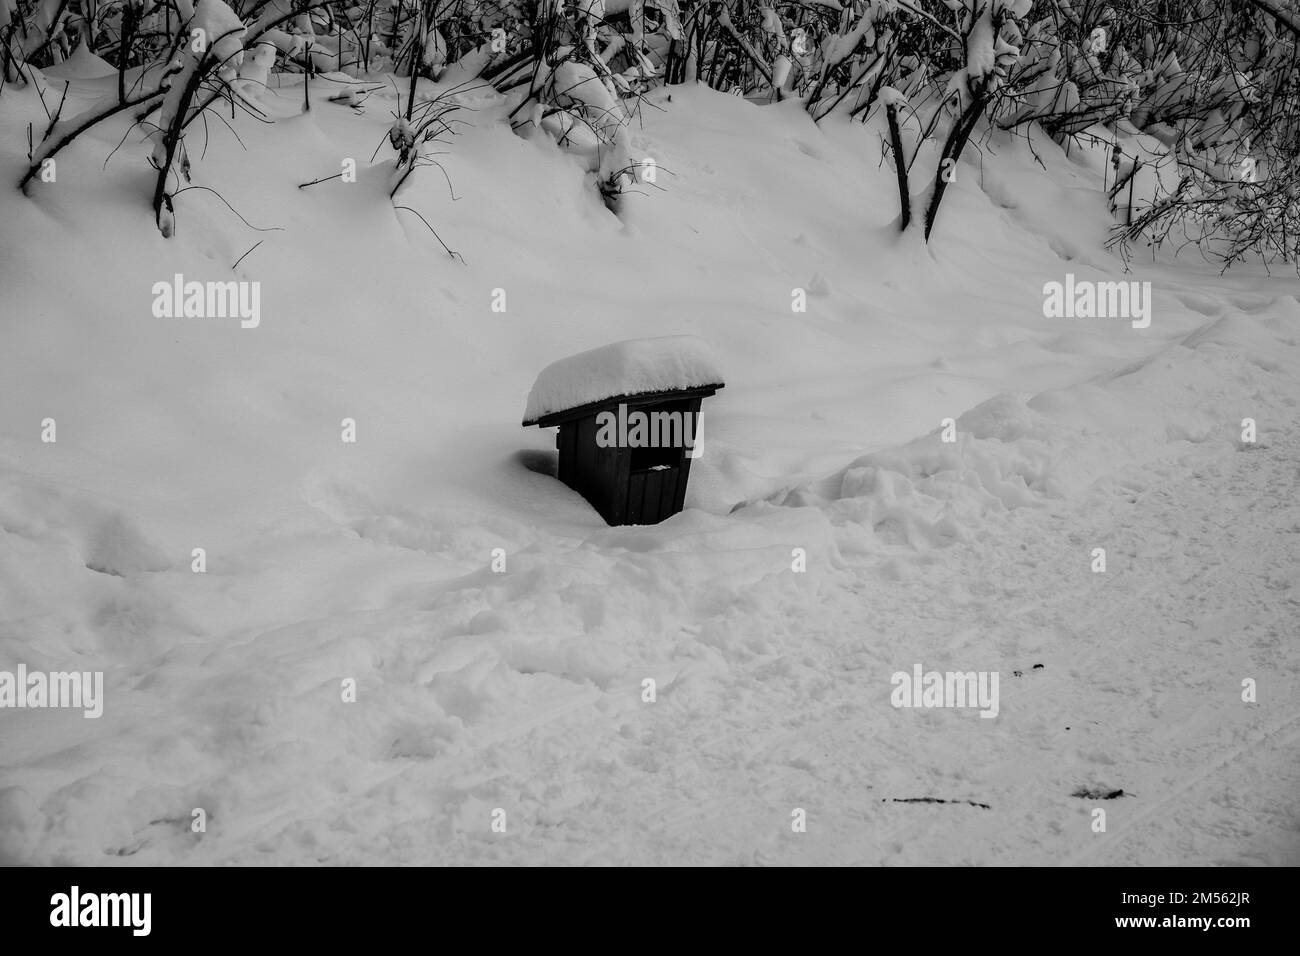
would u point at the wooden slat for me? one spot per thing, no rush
(635, 497)
(566, 442)
(668, 493)
(684, 474)
(654, 486)
(622, 467)
(679, 491)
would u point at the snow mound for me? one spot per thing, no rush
(104, 538)
(1008, 453)
(632, 367)
(931, 493)
(82, 65)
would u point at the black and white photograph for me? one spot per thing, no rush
(650, 433)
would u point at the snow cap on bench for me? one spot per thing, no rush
(623, 369)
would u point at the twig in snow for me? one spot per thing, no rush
(450, 252)
(245, 255)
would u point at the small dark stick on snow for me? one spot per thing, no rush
(450, 252)
(324, 179)
(245, 255)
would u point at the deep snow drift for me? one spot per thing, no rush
(513, 678)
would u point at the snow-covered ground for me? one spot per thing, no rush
(522, 689)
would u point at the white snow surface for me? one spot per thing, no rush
(499, 633)
(661, 364)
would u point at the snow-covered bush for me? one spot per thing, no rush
(211, 54)
(1212, 81)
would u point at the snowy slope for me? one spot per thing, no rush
(522, 690)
